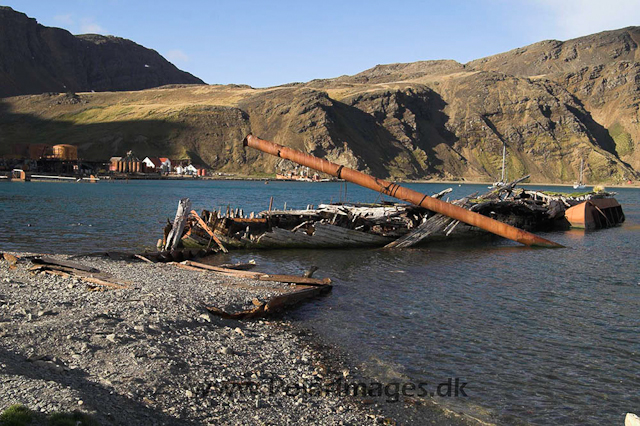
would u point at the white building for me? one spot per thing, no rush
(153, 163)
(186, 170)
(190, 170)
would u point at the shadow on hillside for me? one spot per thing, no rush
(95, 140)
(600, 133)
(370, 139)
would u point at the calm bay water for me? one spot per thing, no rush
(540, 336)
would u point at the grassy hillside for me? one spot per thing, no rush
(433, 119)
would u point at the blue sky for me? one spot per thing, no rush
(265, 43)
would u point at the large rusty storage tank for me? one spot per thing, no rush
(65, 152)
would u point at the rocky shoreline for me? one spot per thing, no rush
(152, 354)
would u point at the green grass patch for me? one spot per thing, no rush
(75, 418)
(566, 194)
(19, 415)
(16, 415)
(622, 139)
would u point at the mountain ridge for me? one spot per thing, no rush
(422, 120)
(38, 59)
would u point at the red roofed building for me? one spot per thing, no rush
(153, 163)
(157, 164)
(166, 164)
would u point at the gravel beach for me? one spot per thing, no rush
(153, 355)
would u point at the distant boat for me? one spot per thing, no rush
(503, 180)
(580, 184)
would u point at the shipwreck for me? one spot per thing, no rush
(507, 211)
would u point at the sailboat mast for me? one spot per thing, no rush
(581, 170)
(504, 156)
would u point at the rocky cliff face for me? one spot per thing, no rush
(37, 59)
(552, 104)
(602, 72)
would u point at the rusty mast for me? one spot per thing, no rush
(400, 192)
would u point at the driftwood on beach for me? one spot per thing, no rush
(65, 268)
(283, 290)
(301, 288)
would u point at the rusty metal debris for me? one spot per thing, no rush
(394, 190)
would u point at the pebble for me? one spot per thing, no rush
(148, 344)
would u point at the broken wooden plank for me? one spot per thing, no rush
(278, 303)
(309, 272)
(261, 276)
(274, 304)
(98, 278)
(58, 273)
(184, 206)
(234, 285)
(435, 223)
(141, 257)
(64, 263)
(232, 272)
(295, 279)
(204, 226)
(324, 235)
(10, 258)
(238, 266)
(256, 312)
(442, 193)
(103, 283)
(66, 269)
(187, 267)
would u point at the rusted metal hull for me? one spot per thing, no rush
(595, 214)
(397, 191)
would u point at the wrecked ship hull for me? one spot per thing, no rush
(299, 229)
(381, 225)
(324, 236)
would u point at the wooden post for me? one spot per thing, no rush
(184, 207)
(209, 231)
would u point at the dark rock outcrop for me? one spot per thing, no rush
(38, 59)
